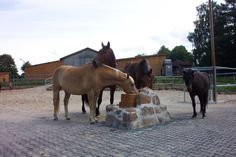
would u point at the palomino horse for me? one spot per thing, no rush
(197, 83)
(141, 72)
(88, 80)
(104, 56)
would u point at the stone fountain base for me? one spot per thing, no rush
(148, 112)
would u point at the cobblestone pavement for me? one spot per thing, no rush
(27, 129)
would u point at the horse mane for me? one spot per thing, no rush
(144, 66)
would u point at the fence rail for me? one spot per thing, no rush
(224, 81)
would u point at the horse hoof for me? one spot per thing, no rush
(67, 118)
(84, 112)
(55, 119)
(194, 116)
(92, 122)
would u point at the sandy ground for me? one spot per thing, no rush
(35, 102)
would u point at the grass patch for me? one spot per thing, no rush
(176, 82)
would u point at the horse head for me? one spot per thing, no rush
(146, 81)
(145, 67)
(105, 56)
(128, 85)
(188, 77)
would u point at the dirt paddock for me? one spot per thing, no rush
(27, 128)
(37, 102)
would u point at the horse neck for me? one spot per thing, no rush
(110, 60)
(111, 76)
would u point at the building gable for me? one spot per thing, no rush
(79, 58)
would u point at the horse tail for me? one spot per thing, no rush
(56, 93)
(56, 99)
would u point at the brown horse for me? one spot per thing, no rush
(88, 80)
(104, 56)
(141, 72)
(197, 83)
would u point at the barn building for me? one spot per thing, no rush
(156, 62)
(41, 71)
(45, 70)
(79, 58)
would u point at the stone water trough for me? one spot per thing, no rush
(137, 111)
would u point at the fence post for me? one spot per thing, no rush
(210, 96)
(184, 95)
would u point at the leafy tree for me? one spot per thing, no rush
(164, 50)
(25, 65)
(201, 37)
(7, 64)
(180, 53)
(225, 34)
(140, 55)
(225, 26)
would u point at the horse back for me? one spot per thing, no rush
(73, 79)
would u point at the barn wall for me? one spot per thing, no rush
(45, 70)
(78, 59)
(41, 71)
(156, 62)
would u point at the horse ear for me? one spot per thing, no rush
(108, 44)
(102, 45)
(150, 72)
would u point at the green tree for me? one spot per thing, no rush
(225, 38)
(180, 53)
(201, 37)
(25, 65)
(164, 50)
(7, 64)
(140, 55)
(225, 35)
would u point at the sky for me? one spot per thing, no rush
(42, 31)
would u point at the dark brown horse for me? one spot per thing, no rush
(107, 57)
(141, 72)
(197, 83)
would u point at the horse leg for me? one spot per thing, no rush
(112, 91)
(66, 100)
(56, 99)
(92, 105)
(84, 97)
(99, 102)
(194, 106)
(205, 102)
(201, 99)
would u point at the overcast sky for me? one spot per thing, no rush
(41, 31)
